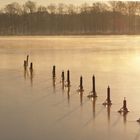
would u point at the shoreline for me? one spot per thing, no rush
(69, 35)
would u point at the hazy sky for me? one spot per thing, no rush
(45, 2)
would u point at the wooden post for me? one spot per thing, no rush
(124, 104)
(25, 64)
(93, 84)
(124, 109)
(81, 84)
(31, 66)
(68, 78)
(108, 101)
(63, 77)
(27, 60)
(108, 95)
(53, 71)
(93, 92)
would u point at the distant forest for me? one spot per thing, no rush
(112, 17)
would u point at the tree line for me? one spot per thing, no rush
(112, 17)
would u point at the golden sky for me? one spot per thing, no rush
(46, 2)
(4, 2)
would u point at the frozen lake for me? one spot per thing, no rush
(32, 109)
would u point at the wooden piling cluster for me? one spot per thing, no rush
(26, 64)
(92, 94)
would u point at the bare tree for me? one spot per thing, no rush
(133, 8)
(85, 8)
(71, 9)
(52, 8)
(97, 7)
(13, 8)
(29, 7)
(121, 7)
(61, 8)
(42, 9)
